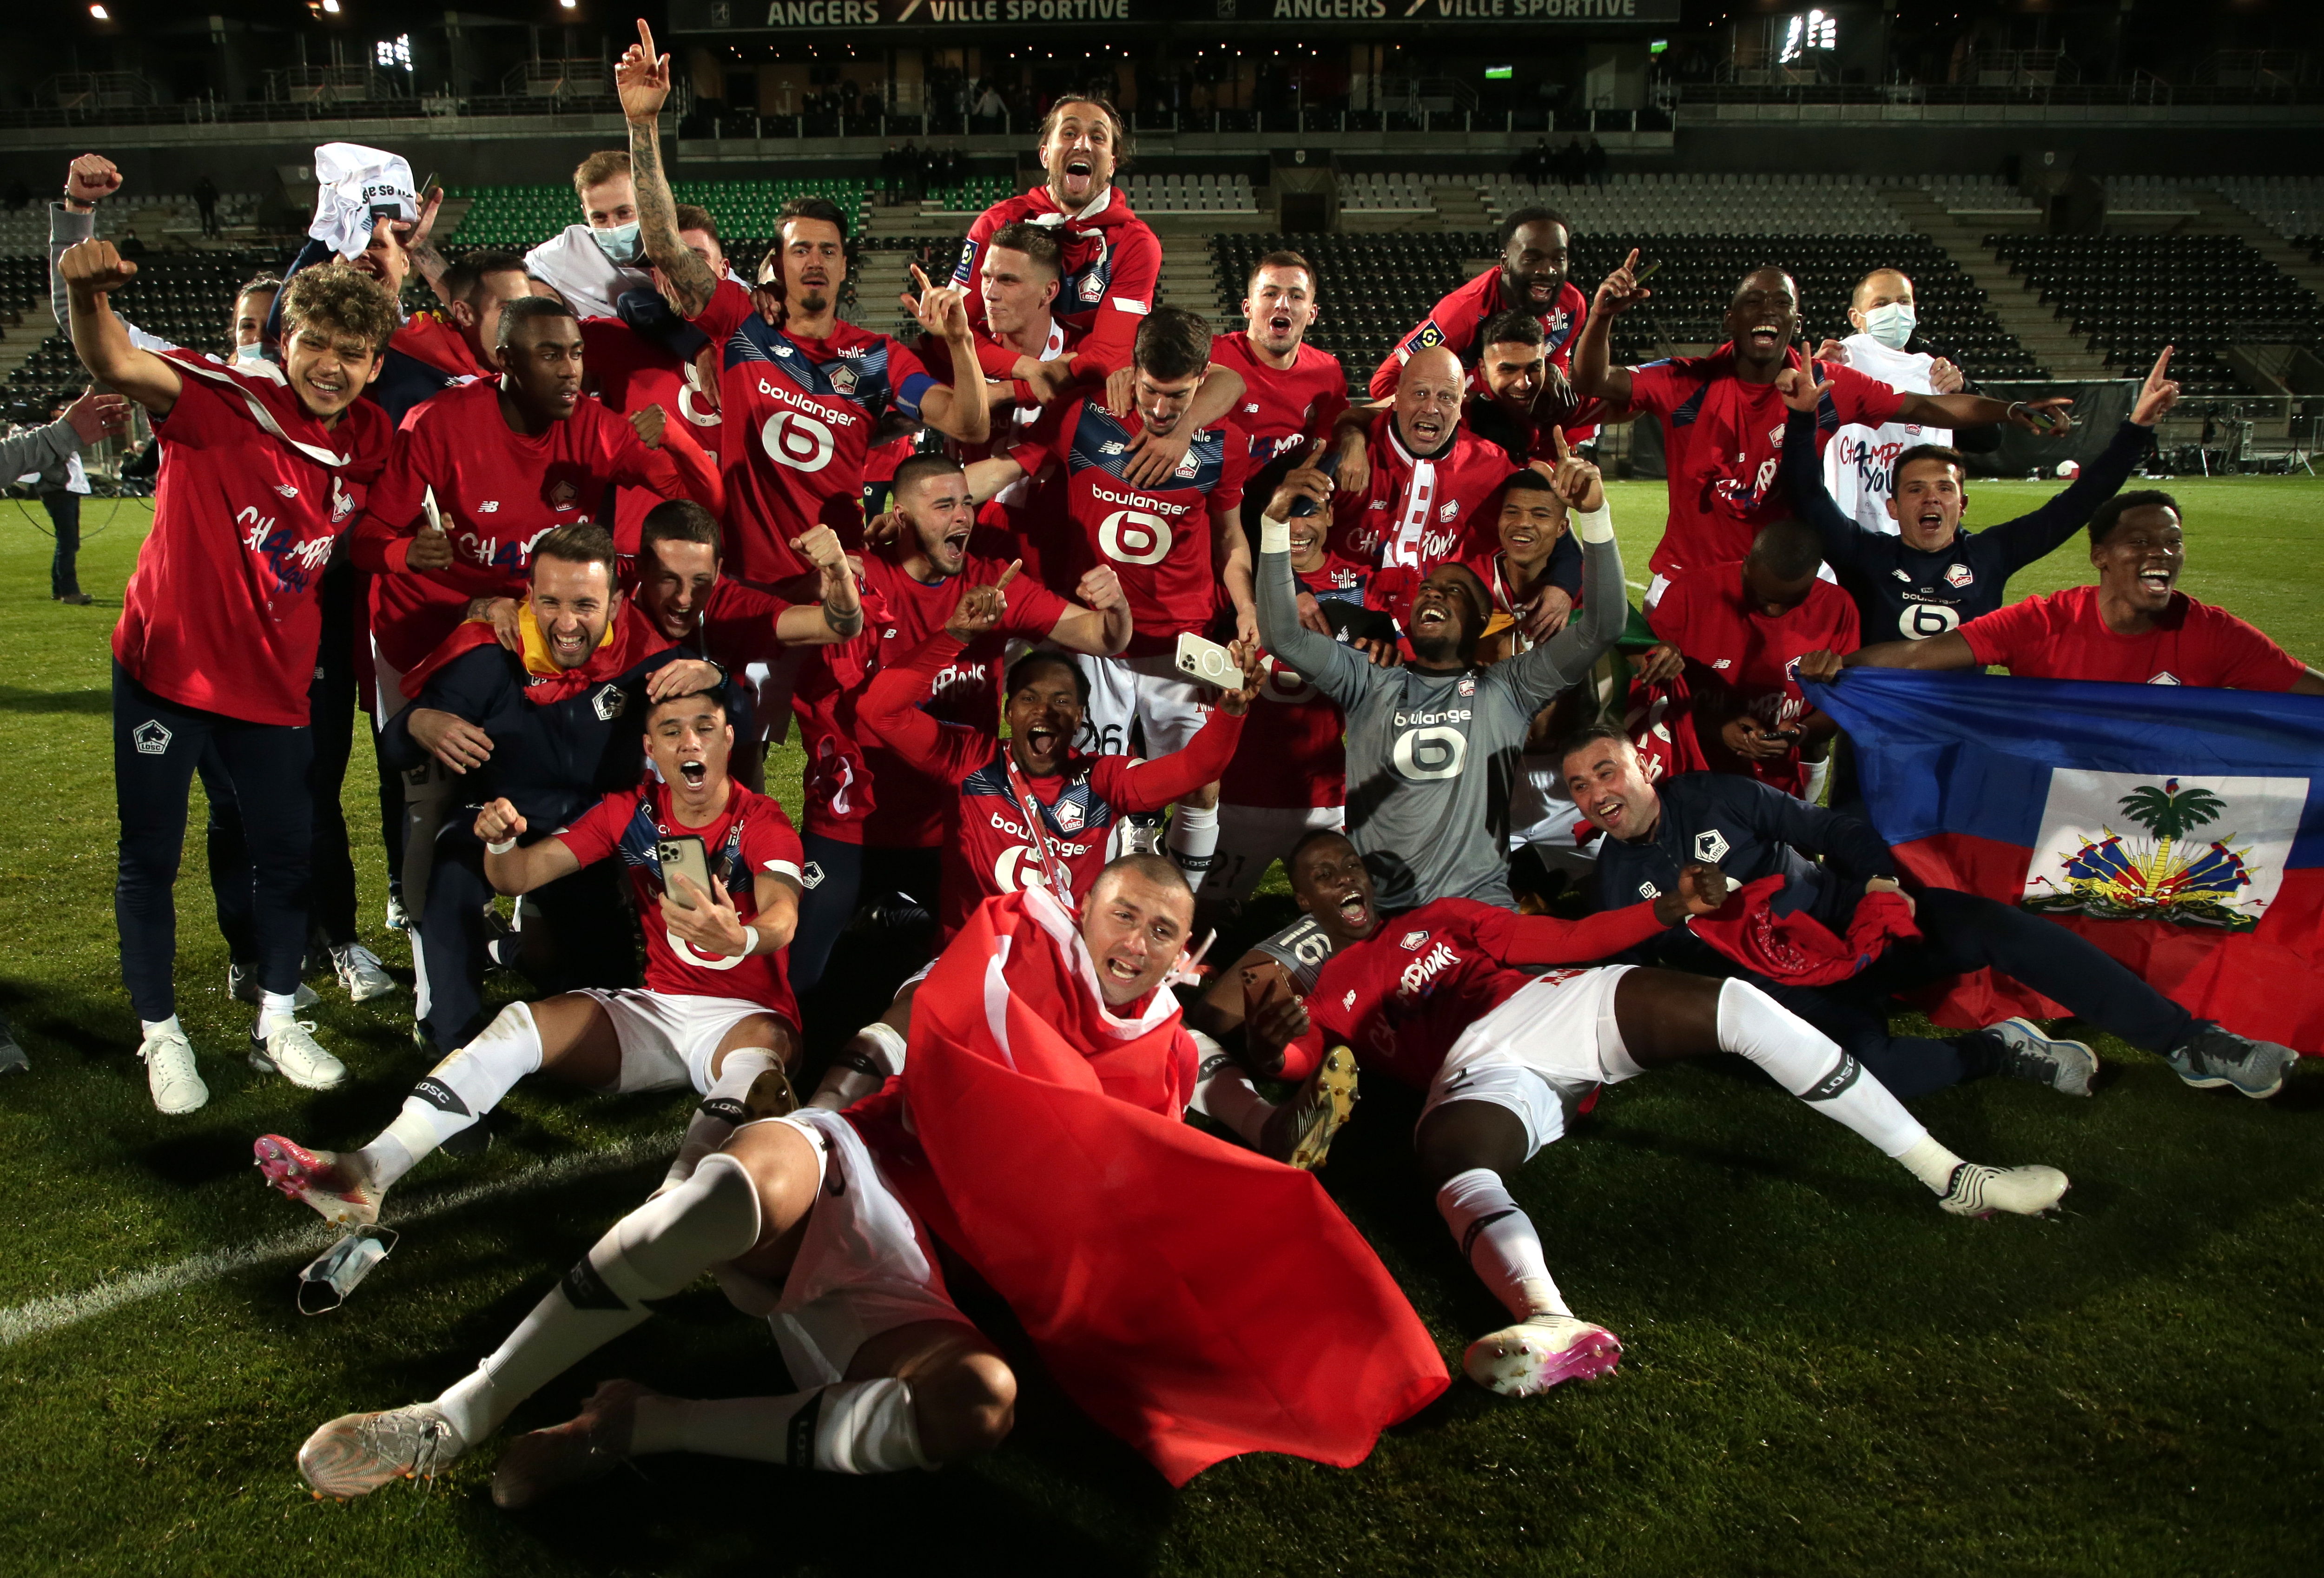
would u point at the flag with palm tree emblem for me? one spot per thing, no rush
(2179, 829)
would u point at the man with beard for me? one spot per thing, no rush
(715, 1012)
(541, 727)
(1523, 403)
(1088, 1206)
(1293, 394)
(871, 818)
(1113, 264)
(215, 653)
(678, 581)
(1451, 999)
(1722, 418)
(1424, 479)
(1928, 573)
(2134, 627)
(1536, 250)
(1433, 746)
(812, 389)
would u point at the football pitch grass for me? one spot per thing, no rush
(1824, 1372)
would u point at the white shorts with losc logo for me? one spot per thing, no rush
(667, 1040)
(1540, 1052)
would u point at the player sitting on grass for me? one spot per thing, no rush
(716, 1011)
(815, 1219)
(1439, 997)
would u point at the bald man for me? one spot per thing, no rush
(1722, 422)
(1413, 484)
(1859, 460)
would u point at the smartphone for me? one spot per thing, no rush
(428, 507)
(1648, 272)
(682, 857)
(1788, 736)
(1209, 663)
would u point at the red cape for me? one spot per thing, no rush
(1197, 1299)
(631, 639)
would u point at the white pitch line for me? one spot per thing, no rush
(41, 1316)
(1636, 585)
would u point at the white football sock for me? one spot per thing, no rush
(855, 1427)
(276, 1009)
(651, 1253)
(1807, 1063)
(168, 1027)
(456, 1096)
(1223, 1092)
(1498, 1240)
(1193, 838)
(1932, 1164)
(721, 1110)
(1819, 774)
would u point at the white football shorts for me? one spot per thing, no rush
(1540, 1052)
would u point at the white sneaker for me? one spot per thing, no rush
(1538, 1352)
(361, 973)
(241, 982)
(170, 1075)
(1977, 1190)
(356, 1454)
(290, 1050)
(399, 918)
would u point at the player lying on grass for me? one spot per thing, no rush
(1436, 998)
(1757, 834)
(715, 1012)
(1064, 1028)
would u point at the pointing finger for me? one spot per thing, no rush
(2161, 367)
(1565, 450)
(1010, 574)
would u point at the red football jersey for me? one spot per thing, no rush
(857, 790)
(2061, 636)
(805, 412)
(497, 491)
(220, 614)
(1158, 539)
(1112, 265)
(987, 847)
(1284, 413)
(1457, 319)
(750, 835)
(1293, 755)
(1723, 444)
(1401, 997)
(1416, 514)
(1730, 641)
(738, 625)
(630, 373)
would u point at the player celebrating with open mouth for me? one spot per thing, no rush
(716, 1011)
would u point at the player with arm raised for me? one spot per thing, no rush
(1449, 998)
(1175, 546)
(1433, 746)
(1722, 416)
(262, 468)
(808, 391)
(716, 1011)
(1926, 573)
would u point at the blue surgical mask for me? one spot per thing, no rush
(254, 352)
(620, 243)
(1891, 324)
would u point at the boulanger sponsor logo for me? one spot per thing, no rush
(797, 440)
(1134, 537)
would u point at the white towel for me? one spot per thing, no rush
(350, 180)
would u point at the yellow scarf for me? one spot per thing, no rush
(537, 661)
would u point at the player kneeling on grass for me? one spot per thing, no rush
(716, 1011)
(1436, 998)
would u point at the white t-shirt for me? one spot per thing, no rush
(1858, 462)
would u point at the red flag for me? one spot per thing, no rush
(1798, 949)
(1197, 1299)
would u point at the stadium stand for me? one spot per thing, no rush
(518, 216)
(183, 298)
(971, 196)
(1371, 287)
(2130, 295)
(1384, 192)
(2292, 206)
(1191, 194)
(2146, 198)
(1753, 203)
(1977, 198)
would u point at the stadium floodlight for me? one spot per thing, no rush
(100, 13)
(570, 5)
(330, 7)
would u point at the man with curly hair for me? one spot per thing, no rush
(262, 467)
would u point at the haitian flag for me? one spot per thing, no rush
(2179, 829)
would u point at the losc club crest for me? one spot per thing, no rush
(564, 495)
(844, 378)
(1068, 816)
(1960, 575)
(1710, 845)
(1410, 942)
(609, 702)
(2192, 852)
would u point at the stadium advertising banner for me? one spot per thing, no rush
(2181, 830)
(1222, 16)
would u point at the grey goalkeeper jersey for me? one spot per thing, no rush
(1433, 757)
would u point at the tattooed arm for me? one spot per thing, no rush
(642, 78)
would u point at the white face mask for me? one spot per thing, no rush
(1892, 324)
(620, 243)
(250, 353)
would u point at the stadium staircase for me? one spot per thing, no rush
(1460, 206)
(2009, 298)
